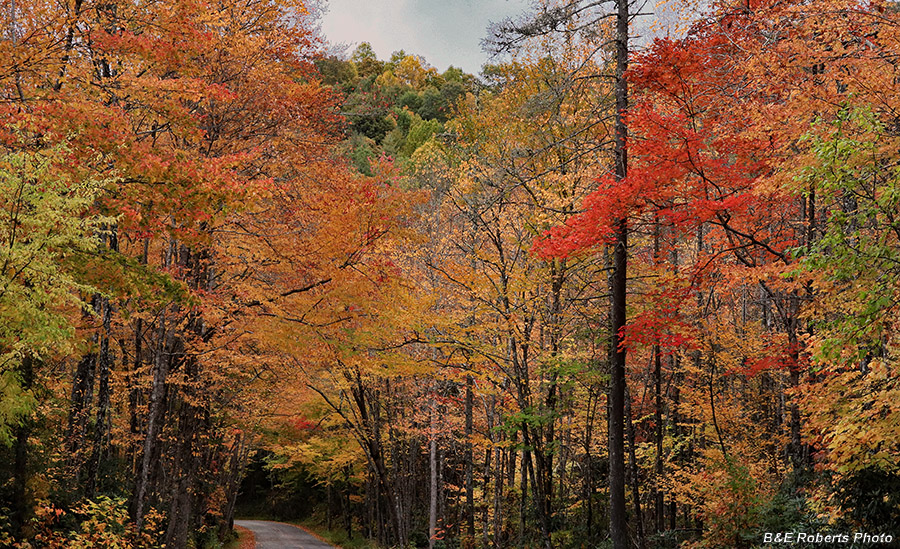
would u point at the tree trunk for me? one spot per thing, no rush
(81, 403)
(618, 526)
(523, 506)
(485, 526)
(101, 423)
(657, 389)
(469, 458)
(433, 492)
(235, 473)
(155, 416)
(184, 491)
(346, 508)
(20, 498)
(658, 416)
(633, 474)
(498, 496)
(674, 425)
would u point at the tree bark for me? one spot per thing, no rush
(235, 473)
(618, 526)
(154, 419)
(658, 418)
(469, 458)
(81, 403)
(101, 422)
(658, 415)
(20, 507)
(498, 496)
(633, 474)
(485, 526)
(523, 487)
(433, 492)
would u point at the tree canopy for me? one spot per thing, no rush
(593, 296)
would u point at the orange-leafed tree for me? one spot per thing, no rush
(208, 128)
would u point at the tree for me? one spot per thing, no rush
(191, 115)
(569, 18)
(367, 63)
(618, 528)
(46, 240)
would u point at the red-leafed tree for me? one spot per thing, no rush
(700, 208)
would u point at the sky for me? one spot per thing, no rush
(444, 32)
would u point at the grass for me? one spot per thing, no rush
(335, 536)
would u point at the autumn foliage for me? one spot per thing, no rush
(241, 275)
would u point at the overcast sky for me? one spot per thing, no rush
(444, 32)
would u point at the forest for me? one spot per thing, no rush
(609, 292)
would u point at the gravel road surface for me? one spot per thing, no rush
(275, 535)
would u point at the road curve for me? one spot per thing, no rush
(277, 535)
